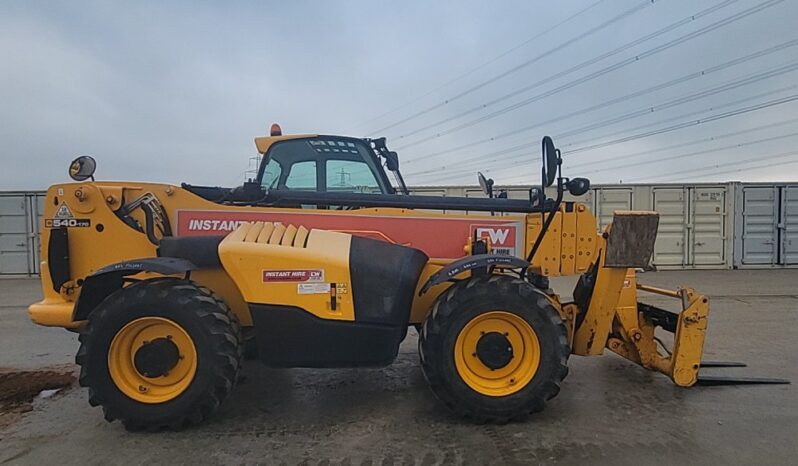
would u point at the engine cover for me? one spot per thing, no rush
(322, 298)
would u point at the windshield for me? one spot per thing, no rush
(323, 164)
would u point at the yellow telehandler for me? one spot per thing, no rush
(322, 261)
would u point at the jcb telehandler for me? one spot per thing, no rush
(321, 262)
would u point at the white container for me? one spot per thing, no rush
(766, 225)
(20, 223)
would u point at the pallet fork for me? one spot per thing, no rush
(615, 319)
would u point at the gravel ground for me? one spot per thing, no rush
(609, 411)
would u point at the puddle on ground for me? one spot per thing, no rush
(19, 388)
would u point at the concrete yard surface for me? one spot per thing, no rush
(608, 412)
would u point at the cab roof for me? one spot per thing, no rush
(264, 142)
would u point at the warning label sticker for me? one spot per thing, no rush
(277, 276)
(312, 288)
(64, 218)
(63, 212)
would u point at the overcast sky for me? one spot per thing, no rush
(176, 91)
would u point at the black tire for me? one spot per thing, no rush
(251, 349)
(212, 328)
(466, 300)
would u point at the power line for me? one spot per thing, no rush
(665, 105)
(687, 144)
(625, 14)
(757, 167)
(687, 124)
(658, 87)
(781, 155)
(695, 153)
(700, 121)
(483, 65)
(474, 163)
(591, 140)
(752, 79)
(621, 64)
(575, 68)
(690, 123)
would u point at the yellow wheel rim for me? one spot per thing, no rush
(122, 366)
(513, 376)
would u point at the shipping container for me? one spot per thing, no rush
(704, 225)
(608, 199)
(766, 225)
(20, 221)
(695, 227)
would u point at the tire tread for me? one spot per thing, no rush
(431, 342)
(223, 327)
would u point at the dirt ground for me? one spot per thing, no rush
(609, 411)
(18, 389)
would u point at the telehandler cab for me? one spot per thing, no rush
(321, 262)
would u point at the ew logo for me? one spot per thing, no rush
(500, 237)
(497, 236)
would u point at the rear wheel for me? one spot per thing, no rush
(160, 353)
(494, 349)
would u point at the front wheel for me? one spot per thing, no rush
(494, 349)
(160, 353)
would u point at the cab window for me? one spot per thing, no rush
(271, 175)
(302, 176)
(350, 176)
(323, 164)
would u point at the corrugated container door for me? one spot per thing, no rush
(789, 225)
(14, 232)
(760, 216)
(674, 222)
(608, 200)
(708, 210)
(37, 211)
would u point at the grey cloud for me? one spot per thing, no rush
(175, 91)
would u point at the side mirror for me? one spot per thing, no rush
(551, 159)
(379, 144)
(578, 186)
(82, 168)
(392, 161)
(486, 184)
